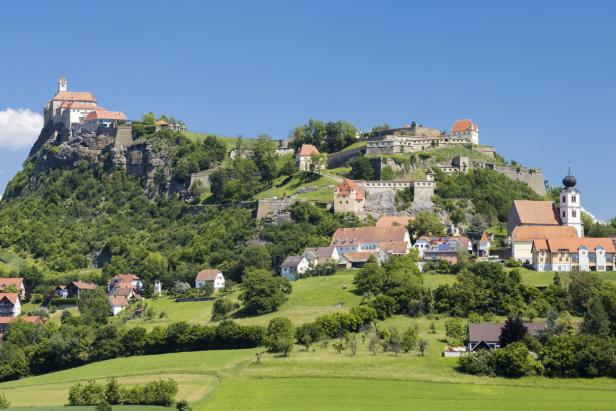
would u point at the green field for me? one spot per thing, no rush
(319, 378)
(115, 408)
(302, 185)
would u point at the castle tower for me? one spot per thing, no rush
(570, 209)
(62, 84)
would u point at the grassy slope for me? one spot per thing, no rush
(9, 261)
(287, 186)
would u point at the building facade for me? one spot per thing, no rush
(349, 197)
(574, 254)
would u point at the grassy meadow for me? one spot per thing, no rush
(319, 378)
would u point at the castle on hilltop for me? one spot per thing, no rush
(70, 108)
(412, 138)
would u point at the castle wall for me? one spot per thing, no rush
(272, 206)
(534, 178)
(340, 158)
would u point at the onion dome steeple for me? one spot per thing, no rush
(569, 181)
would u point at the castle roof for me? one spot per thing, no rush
(74, 96)
(77, 105)
(536, 212)
(529, 232)
(348, 185)
(105, 115)
(461, 126)
(308, 150)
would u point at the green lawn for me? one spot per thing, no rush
(305, 185)
(9, 261)
(115, 408)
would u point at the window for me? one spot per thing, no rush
(573, 199)
(574, 213)
(564, 214)
(564, 199)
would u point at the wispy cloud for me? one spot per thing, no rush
(19, 128)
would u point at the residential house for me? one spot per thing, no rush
(10, 306)
(60, 291)
(391, 248)
(212, 276)
(74, 289)
(522, 239)
(574, 254)
(483, 247)
(293, 266)
(359, 258)
(16, 282)
(394, 220)
(118, 303)
(443, 248)
(348, 197)
(321, 255)
(487, 335)
(360, 239)
(103, 118)
(305, 156)
(5, 322)
(124, 281)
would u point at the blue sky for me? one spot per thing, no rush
(539, 78)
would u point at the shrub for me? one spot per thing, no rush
(477, 363)
(102, 406)
(4, 403)
(279, 336)
(308, 334)
(514, 361)
(409, 339)
(512, 262)
(183, 405)
(384, 305)
(336, 324)
(222, 308)
(55, 302)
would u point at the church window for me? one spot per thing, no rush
(564, 214)
(574, 213)
(573, 199)
(564, 199)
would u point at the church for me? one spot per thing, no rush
(547, 213)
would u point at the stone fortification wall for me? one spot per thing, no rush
(341, 158)
(272, 206)
(533, 177)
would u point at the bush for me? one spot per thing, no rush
(514, 361)
(4, 403)
(512, 262)
(102, 406)
(308, 334)
(477, 363)
(279, 336)
(337, 324)
(384, 305)
(222, 308)
(183, 405)
(55, 302)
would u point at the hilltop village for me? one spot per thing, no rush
(117, 224)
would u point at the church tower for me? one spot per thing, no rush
(570, 209)
(62, 84)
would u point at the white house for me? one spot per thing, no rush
(118, 303)
(368, 239)
(212, 276)
(103, 118)
(17, 282)
(305, 156)
(321, 255)
(465, 130)
(294, 265)
(124, 281)
(483, 247)
(522, 238)
(10, 306)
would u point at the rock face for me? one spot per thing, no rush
(114, 148)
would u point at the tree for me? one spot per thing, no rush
(263, 293)
(13, 362)
(94, 306)
(426, 223)
(558, 356)
(361, 169)
(409, 339)
(112, 392)
(222, 308)
(456, 330)
(596, 320)
(264, 154)
(513, 330)
(308, 334)
(423, 344)
(514, 361)
(149, 119)
(279, 336)
(155, 265)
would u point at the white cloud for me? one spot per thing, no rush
(19, 128)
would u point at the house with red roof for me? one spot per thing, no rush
(349, 197)
(306, 156)
(211, 276)
(10, 306)
(103, 118)
(465, 130)
(14, 282)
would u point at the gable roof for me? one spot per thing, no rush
(345, 188)
(529, 232)
(34, 319)
(123, 278)
(536, 212)
(461, 126)
(573, 244)
(394, 247)
(83, 285)
(292, 261)
(105, 115)
(76, 105)
(484, 237)
(12, 297)
(393, 220)
(308, 150)
(351, 236)
(321, 252)
(359, 257)
(209, 274)
(74, 96)
(16, 281)
(490, 332)
(161, 122)
(118, 301)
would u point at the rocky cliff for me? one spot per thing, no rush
(112, 148)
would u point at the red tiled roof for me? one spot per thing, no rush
(161, 123)
(16, 281)
(359, 257)
(345, 188)
(79, 106)
(118, 301)
(74, 96)
(357, 235)
(536, 212)
(529, 232)
(105, 115)
(83, 285)
(12, 297)
(393, 220)
(395, 247)
(461, 126)
(308, 150)
(573, 244)
(207, 275)
(124, 278)
(484, 237)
